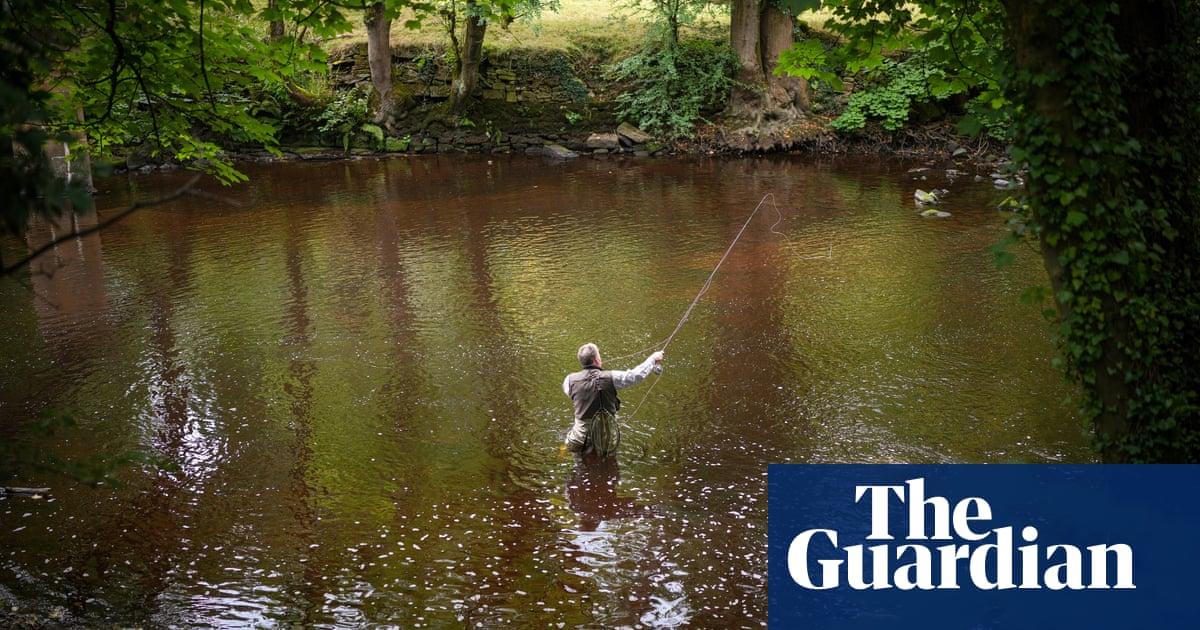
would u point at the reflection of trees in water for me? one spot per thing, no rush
(70, 295)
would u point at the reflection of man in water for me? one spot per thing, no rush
(592, 493)
(594, 393)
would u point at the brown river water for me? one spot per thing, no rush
(355, 375)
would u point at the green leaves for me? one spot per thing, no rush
(670, 86)
(179, 74)
(894, 88)
(28, 183)
(908, 53)
(1074, 218)
(809, 60)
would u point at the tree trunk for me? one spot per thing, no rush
(470, 57)
(778, 34)
(758, 31)
(379, 59)
(275, 28)
(1138, 198)
(747, 97)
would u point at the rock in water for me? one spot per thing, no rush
(925, 198)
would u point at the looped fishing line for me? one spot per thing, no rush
(662, 345)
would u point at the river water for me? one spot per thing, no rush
(350, 375)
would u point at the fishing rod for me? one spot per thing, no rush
(691, 307)
(704, 289)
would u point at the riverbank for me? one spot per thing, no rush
(595, 130)
(602, 134)
(561, 101)
(533, 98)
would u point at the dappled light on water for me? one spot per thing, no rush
(355, 375)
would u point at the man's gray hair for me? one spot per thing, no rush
(589, 354)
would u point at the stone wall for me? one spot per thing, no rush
(515, 76)
(532, 101)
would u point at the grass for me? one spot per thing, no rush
(575, 22)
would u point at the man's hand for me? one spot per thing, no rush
(657, 356)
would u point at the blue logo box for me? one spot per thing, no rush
(983, 546)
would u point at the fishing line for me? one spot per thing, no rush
(708, 283)
(662, 345)
(787, 240)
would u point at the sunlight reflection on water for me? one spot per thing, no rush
(357, 377)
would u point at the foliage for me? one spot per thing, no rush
(991, 119)
(168, 77)
(666, 17)
(810, 59)
(345, 113)
(905, 53)
(1101, 99)
(1113, 199)
(669, 87)
(670, 82)
(894, 87)
(176, 105)
(28, 183)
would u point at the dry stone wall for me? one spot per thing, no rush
(533, 101)
(517, 76)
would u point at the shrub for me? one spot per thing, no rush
(892, 90)
(669, 86)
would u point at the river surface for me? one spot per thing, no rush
(349, 377)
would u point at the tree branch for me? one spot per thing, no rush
(185, 189)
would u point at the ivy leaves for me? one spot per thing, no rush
(1098, 101)
(1108, 189)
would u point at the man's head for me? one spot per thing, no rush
(589, 354)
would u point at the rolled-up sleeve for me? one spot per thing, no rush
(629, 378)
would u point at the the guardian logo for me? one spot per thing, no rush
(948, 545)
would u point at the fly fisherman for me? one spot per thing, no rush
(594, 392)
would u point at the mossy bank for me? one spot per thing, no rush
(565, 103)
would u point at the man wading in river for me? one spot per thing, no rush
(594, 393)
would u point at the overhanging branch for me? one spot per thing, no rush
(183, 190)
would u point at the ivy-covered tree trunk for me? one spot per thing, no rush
(1110, 95)
(471, 55)
(379, 60)
(759, 30)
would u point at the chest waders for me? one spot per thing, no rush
(596, 404)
